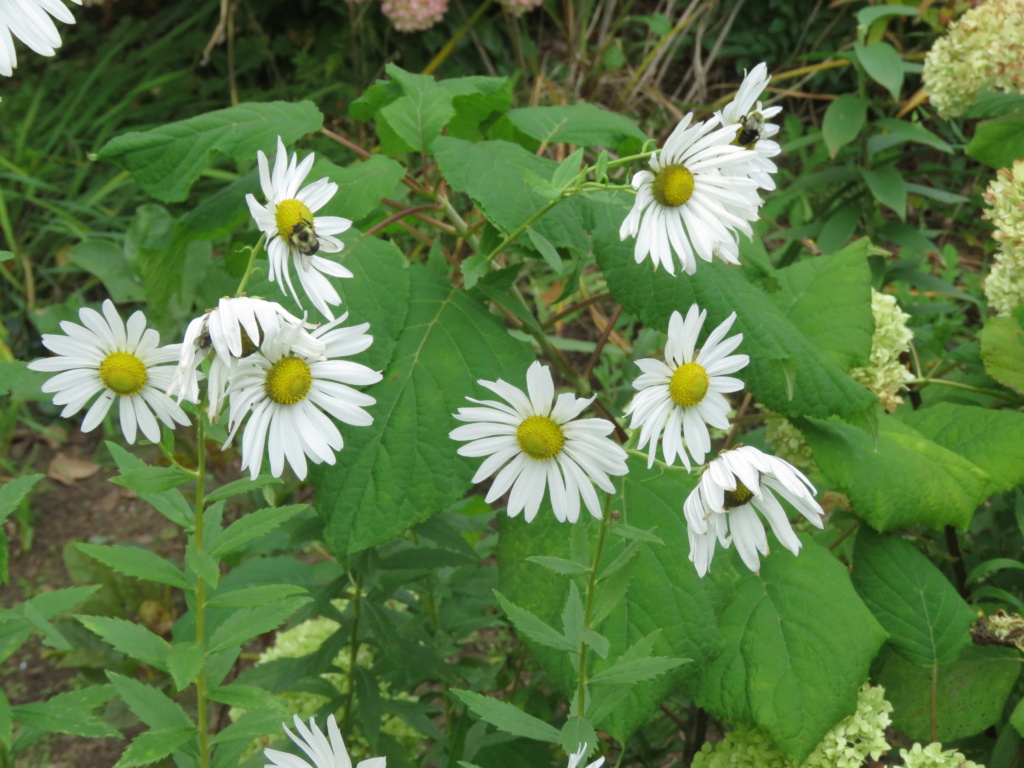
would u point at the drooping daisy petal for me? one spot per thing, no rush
(290, 388)
(534, 444)
(754, 131)
(577, 757)
(294, 235)
(734, 488)
(30, 22)
(122, 364)
(676, 399)
(324, 751)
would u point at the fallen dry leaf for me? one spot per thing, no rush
(66, 470)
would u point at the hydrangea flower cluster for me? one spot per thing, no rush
(981, 51)
(933, 756)
(885, 375)
(847, 745)
(414, 15)
(519, 7)
(1004, 285)
(789, 443)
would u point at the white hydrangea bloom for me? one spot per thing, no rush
(1004, 285)
(885, 375)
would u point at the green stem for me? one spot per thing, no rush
(201, 716)
(588, 611)
(353, 651)
(967, 387)
(520, 229)
(253, 253)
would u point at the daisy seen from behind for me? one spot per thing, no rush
(231, 331)
(678, 398)
(734, 488)
(30, 22)
(694, 200)
(290, 397)
(535, 444)
(754, 132)
(325, 751)
(294, 235)
(123, 363)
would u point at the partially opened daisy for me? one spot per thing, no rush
(290, 396)
(325, 751)
(293, 233)
(231, 331)
(694, 200)
(678, 398)
(124, 364)
(753, 131)
(534, 445)
(734, 488)
(577, 757)
(30, 22)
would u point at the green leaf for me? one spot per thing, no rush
(6, 722)
(1017, 718)
(582, 124)
(149, 704)
(221, 213)
(926, 619)
(14, 491)
(630, 672)
(361, 185)
(167, 160)
(887, 187)
(998, 143)
(108, 262)
(475, 99)
(533, 628)
(568, 169)
(172, 505)
(69, 713)
(576, 731)
(247, 697)
(869, 15)
(251, 597)
(405, 467)
(419, 115)
(238, 487)
(559, 564)
(151, 479)
(1002, 351)
(507, 717)
(148, 747)
(969, 693)
(202, 565)
(947, 487)
(138, 563)
(247, 623)
(131, 639)
(252, 526)
(843, 121)
(892, 132)
(829, 300)
(251, 725)
(816, 386)
(184, 660)
(883, 65)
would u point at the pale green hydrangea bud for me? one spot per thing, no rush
(981, 51)
(1004, 285)
(847, 745)
(932, 756)
(886, 375)
(789, 444)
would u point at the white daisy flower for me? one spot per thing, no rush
(577, 757)
(117, 362)
(733, 489)
(536, 445)
(753, 131)
(325, 751)
(30, 22)
(233, 330)
(293, 233)
(678, 398)
(292, 396)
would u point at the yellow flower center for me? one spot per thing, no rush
(739, 497)
(688, 385)
(540, 438)
(288, 381)
(290, 213)
(673, 186)
(123, 373)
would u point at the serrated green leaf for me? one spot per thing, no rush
(572, 616)
(108, 262)
(6, 721)
(148, 747)
(252, 526)
(597, 642)
(238, 487)
(172, 505)
(883, 65)
(1002, 351)
(983, 570)
(888, 187)
(361, 185)
(251, 725)
(969, 693)
(167, 160)
(998, 143)
(138, 563)
(577, 731)
(69, 713)
(507, 717)
(892, 132)
(13, 491)
(397, 472)
(250, 597)
(532, 627)
(418, 116)
(559, 564)
(131, 639)
(202, 565)
(1017, 718)
(247, 697)
(629, 532)
(224, 211)
(475, 99)
(926, 619)
(184, 660)
(546, 250)
(843, 121)
(247, 623)
(630, 672)
(869, 15)
(582, 124)
(148, 704)
(151, 479)
(568, 169)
